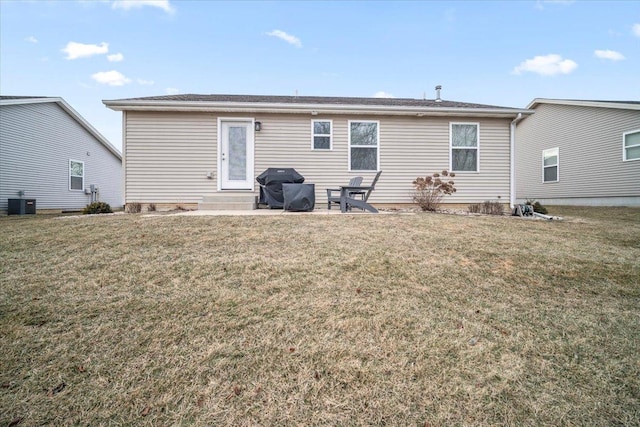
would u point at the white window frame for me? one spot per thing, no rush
(557, 165)
(624, 147)
(451, 147)
(83, 173)
(377, 146)
(313, 135)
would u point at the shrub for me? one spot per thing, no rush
(474, 208)
(134, 207)
(151, 207)
(488, 207)
(97, 208)
(537, 207)
(430, 190)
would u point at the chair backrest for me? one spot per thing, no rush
(372, 186)
(355, 181)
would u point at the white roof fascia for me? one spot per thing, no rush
(17, 101)
(73, 113)
(308, 108)
(612, 104)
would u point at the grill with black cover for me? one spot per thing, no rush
(271, 181)
(299, 197)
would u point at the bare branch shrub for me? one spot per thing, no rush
(474, 208)
(492, 207)
(487, 207)
(430, 190)
(134, 207)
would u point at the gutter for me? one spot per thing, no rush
(512, 160)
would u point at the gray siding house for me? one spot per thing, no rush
(572, 152)
(49, 152)
(192, 150)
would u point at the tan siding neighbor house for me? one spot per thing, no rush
(179, 149)
(572, 152)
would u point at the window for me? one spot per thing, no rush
(550, 161)
(321, 134)
(465, 147)
(76, 175)
(363, 145)
(631, 148)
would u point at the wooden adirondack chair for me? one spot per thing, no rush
(347, 202)
(335, 198)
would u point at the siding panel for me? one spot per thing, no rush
(168, 155)
(590, 143)
(36, 143)
(168, 163)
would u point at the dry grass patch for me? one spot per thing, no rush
(321, 320)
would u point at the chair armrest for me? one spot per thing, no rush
(331, 190)
(356, 188)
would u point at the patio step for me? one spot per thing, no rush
(229, 202)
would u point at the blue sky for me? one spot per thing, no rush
(498, 53)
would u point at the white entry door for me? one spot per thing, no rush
(235, 156)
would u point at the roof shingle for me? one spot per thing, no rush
(326, 100)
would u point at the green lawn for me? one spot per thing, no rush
(391, 319)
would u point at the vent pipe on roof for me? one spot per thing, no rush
(438, 93)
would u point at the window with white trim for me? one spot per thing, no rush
(631, 145)
(550, 163)
(76, 175)
(364, 153)
(465, 147)
(321, 134)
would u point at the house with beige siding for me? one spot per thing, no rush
(206, 150)
(575, 152)
(49, 153)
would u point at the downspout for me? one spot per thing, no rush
(124, 160)
(512, 158)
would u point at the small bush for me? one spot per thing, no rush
(134, 207)
(537, 207)
(474, 208)
(151, 207)
(488, 207)
(430, 190)
(97, 208)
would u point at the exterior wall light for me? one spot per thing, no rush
(258, 126)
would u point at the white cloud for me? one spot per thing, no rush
(31, 39)
(144, 82)
(172, 91)
(382, 94)
(636, 30)
(116, 57)
(609, 54)
(286, 37)
(111, 78)
(548, 65)
(79, 50)
(137, 4)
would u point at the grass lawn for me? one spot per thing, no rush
(409, 320)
